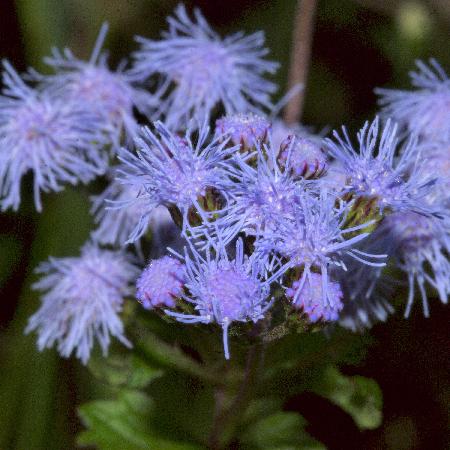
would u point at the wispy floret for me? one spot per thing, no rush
(426, 110)
(224, 290)
(263, 195)
(82, 301)
(119, 209)
(306, 157)
(116, 222)
(420, 246)
(200, 70)
(436, 162)
(309, 298)
(245, 130)
(174, 172)
(373, 171)
(55, 139)
(315, 242)
(368, 292)
(161, 282)
(111, 94)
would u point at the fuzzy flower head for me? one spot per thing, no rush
(109, 94)
(306, 157)
(224, 290)
(262, 195)
(374, 171)
(421, 248)
(57, 140)
(425, 111)
(280, 131)
(200, 70)
(82, 301)
(245, 130)
(160, 283)
(309, 298)
(315, 242)
(173, 171)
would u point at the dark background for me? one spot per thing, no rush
(358, 45)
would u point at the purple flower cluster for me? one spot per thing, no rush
(270, 215)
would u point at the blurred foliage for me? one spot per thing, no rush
(162, 396)
(207, 402)
(359, 396)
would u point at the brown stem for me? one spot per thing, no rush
(300, 57)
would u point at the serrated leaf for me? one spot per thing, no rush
(124, 424)
(359, 396)
(142, 373)
(281, 431)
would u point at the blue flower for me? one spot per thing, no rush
(224, 290)
(306, 157)
(308, 296)
(262, 194)
(436, 162)
(116, 222)
(161, 282)
(420, 246)
(362, 312)
(119, 209)
(281, 130)
(200, 70)
(368, 291)
(374, 171)
(426, 110)
(315, 242)
(82, 301)
(111, 95)
(173, 171)
(245, 130)
(56, 139)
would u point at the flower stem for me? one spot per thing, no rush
(228, 414)
(300, 57)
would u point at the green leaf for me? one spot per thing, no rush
(124, 424)
(359, 396)
(141, 373)
(281, 431)
(123, 370)
(156, 351)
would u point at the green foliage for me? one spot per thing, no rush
(283, 431)
(124, 424)
(123, 371)
(163, 397)
(359, 396)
